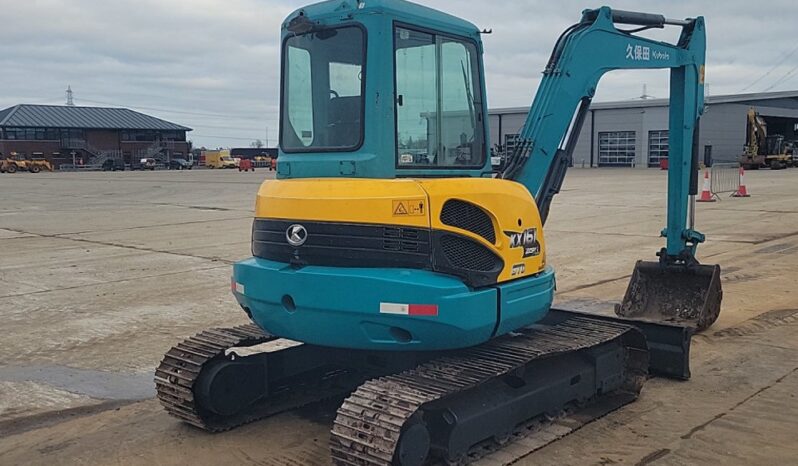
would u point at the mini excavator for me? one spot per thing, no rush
(414, 281)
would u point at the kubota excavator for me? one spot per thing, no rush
(418, 284)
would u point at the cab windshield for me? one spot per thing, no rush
(323, 76)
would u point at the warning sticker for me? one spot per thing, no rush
(405, 208)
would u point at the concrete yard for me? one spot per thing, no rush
(101, 273)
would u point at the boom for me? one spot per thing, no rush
(582, 55)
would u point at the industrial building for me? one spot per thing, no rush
(634, 133)
(88, 135)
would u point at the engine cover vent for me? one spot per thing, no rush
(467, 216)
(469, 255)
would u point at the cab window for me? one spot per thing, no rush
(322, 100)
(438, 101)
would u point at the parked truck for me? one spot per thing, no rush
(219, 159)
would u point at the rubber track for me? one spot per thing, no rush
(182, 364)
(369, 423)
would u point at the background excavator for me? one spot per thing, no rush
(763, 150)
(417, 283)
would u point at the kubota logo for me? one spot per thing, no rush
(296, 235)
(527, 239)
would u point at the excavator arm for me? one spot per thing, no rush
(582, 55)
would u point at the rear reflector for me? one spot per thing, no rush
(236, 287)
(409, 309)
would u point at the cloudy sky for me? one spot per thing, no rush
(213, 65)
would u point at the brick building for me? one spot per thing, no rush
(90, 135)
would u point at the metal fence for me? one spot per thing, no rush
(724, 178)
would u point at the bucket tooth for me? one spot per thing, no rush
(681, 294)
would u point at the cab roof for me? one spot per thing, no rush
(401, 9)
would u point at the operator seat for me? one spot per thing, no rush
(344, 121)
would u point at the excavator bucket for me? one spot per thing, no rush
(679, 294)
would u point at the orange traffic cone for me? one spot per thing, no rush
(706, 195)
(741, 191)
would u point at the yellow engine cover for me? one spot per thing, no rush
(417, 203)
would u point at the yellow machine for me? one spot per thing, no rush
(35, 166)
(762, 150)
(12, 165)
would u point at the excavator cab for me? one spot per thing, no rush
(389, 90)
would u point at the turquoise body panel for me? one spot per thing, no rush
(340, 307)
(520, 301)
